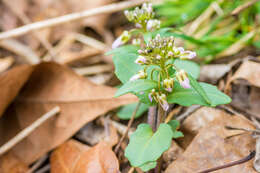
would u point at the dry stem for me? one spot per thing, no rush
(69, 18)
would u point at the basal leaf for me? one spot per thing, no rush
(146, 147)
(147, 166)
(136, 86)
(188, 97)
(126, 111)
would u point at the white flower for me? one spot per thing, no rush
(163, 102)
(168, 84)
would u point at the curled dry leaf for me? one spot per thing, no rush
(210, 148)
(73, 157)
(246, 87)
(49, 85)
(10, 164)
(11, 82)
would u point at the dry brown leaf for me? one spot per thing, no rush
(246, 87)
(11, 82)
(10, 164)
(210, 148)
(197, 120)
(49, 85)
(249, 71)
(73, 157)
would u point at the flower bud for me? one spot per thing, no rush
(136, 41)
(187, 55)
(168, 84)
(122, 39)
(141, 60)
(163, 102)
(152, 95)
(183, 79)
(140, 75)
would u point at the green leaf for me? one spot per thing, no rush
(190, 67)
(147, 166)
(188, 97)
(146, 147)
(126, 111)
(177, 134)
(124, 49)
(175, 125)
(136, 86)
(199, 89)
(125, 66)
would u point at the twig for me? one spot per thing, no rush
(44, 169)
(25, 132)
(91, 42)
(128, 127)
(90, 70)
(189, 111)
(38, 164)
(69, 18)
(15, 46)
(243, 7)
(172, 113)
(243, 160)
(26, 20)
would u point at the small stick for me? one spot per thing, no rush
(44, 169)
(38, 164)
(26, 20)
(130, 122)
(69, 18)
(90, 70)
(243, 160)
(27, 131)
(243, 7)
(91, 42)
(21, 49)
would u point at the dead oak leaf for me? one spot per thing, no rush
(210, 148)
(11, 82)
(80, 101)
(10, 164)
(73, 157)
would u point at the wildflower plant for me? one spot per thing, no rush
(159, 73)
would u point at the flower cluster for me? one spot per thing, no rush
(162, 48)
(143, 17)
(157, 52)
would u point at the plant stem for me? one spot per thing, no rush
(152, 117)
(159, 120)
(130, 122)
